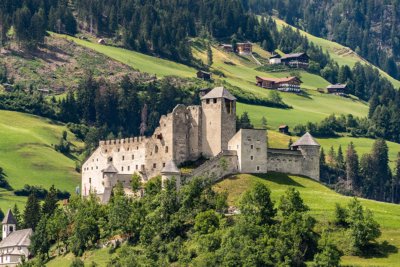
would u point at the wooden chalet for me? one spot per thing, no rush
(298, 60)
(288, 84)
(338, 89)
(204, 75)
(284, 129)
(245, 48)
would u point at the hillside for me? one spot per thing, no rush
(27, 154)
(313, 107)
(322, 201)
(341, 54)
(59, 65)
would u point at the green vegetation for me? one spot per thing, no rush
(27, 153)
(321, 201)
(136, 60)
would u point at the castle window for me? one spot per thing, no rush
(137, 148)
(251, 146)
(154, 165)
(166, 149)
(123, 157)
(215, 101)
(251, 158)
(97, 167)
(106, 150)
(127, 149)
(207, 101)
(90, 180)
(129, 168)
(258, 168)
(163, 165)
(133, 156)
(137, 167)
(156, 149)
(110, 159)
(118, 149)
(122, 168)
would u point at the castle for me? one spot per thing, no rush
(187, 134)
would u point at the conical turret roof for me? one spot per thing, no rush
(9, 218)
(170, 167)
(306, 140)
(110, 169)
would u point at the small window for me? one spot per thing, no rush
(215, 101)
(129, 168)
(127, 149)
(133, 156)
(163, 164)
(156, 149)
(90, 180)
(166, 149)
(106, 150)
(258, 168)
(207, 101)
(118, 149)
(137, 167)
(251, 157)
(123, 157)
(122, 168)
(251, 146)
(154, 165)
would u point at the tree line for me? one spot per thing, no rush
(190, 227)
(368, 176)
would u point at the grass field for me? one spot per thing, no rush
(322, 201)
(341, 54)
(136, 60)
(100, 257)
(27, 154)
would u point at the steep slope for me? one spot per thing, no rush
(27, 153)
(321, 201)
(341, 54)
(241, 72)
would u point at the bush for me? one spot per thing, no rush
(39, 192)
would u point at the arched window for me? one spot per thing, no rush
(109, 160)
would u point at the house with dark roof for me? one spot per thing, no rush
(337, 89)
(14, 247)
(284, 129)
(297, 60)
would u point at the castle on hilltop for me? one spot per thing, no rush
(189, 133)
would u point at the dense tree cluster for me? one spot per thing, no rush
(371, 28)
(28, 20)
(368, 176)
(189, 227)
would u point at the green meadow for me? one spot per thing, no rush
(27, 154)
(321, 201)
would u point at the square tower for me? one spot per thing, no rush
(218, 121)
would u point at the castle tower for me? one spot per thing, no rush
(310, 150)
(218, 121)
(9, 224)
(171, 171)
(109, 176)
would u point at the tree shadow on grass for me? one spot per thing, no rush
(379, 250)
(279, 178)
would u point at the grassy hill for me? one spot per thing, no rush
(322, 201)
(28, 157)
(241, 71)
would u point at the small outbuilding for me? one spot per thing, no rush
(245, 48)
(284, 129)
(101, 41)
(275, 59)
(226, 47)
(204, 75)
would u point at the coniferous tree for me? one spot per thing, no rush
(352, 167)
(50, 202)
(32, 212)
